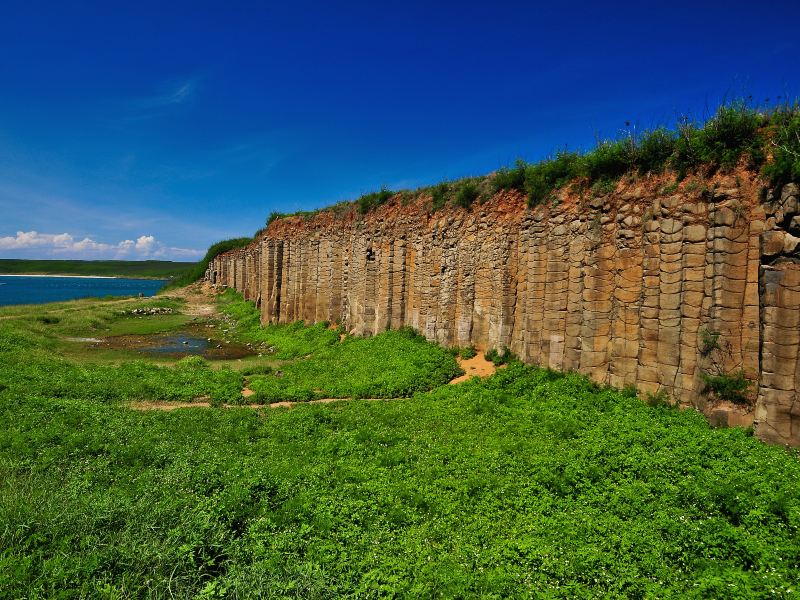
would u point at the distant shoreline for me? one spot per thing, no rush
(82, 276)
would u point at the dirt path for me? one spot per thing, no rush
(199, 297)
(475, 366)
(167, 406)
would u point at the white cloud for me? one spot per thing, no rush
(179, 93)
(64, 245)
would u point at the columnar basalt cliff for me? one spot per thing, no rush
(652, 286)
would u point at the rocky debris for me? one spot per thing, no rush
(155, 310)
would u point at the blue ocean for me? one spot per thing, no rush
(38, 290)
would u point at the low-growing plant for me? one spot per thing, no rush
(653, 151)
(439, 194)
(670, 188)
(733, 387)
(466, 194)
(709, 341)
(733, 132)
(659, 398)
(467, 352)
(274, 216)
(500, 357)
(603, 187)
(373, 200)
(783, 134)
(605, 496)
(48, 319)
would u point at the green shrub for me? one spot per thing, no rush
(733, 132)
(467, 194)
(604, 187)
(256, 370)
(48, 319)
(541, 179)
(709, 341)
(654, 150)
(510, 178)
(373, 200)
(283, 341)
(500, 357)
(439, 195)
(274, 216)
(732, 387)
(610, 160)
(659, 398)
(784, 138)
(467, 352)
(392, 364)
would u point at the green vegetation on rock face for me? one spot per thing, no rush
(150, 269)
(199, 269)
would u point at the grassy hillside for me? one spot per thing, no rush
(198, 269)
(151, 269)
(526, 484)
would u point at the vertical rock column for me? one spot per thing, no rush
(778, 408)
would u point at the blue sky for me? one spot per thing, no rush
(155, 129)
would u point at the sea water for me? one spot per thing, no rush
(34, 289)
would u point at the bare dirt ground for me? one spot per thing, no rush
(167, 406)
(199, 299)
(475, 366)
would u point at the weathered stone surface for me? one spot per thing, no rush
(587, 285)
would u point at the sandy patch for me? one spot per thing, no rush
(477, 366)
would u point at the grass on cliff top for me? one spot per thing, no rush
(528, 484)
(765, 139)
(198, 270)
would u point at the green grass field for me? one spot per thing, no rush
(527, 484)
(148, 269)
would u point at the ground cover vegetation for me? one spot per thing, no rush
(150, 269)
(392, 364)
(42, 353)
(529, 483)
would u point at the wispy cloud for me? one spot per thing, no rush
(172, 95)
(179, 94)
(64, 245)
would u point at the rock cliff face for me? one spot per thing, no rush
(651, 286)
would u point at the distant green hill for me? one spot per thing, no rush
(149, 269)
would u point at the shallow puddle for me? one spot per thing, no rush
(177, 344)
